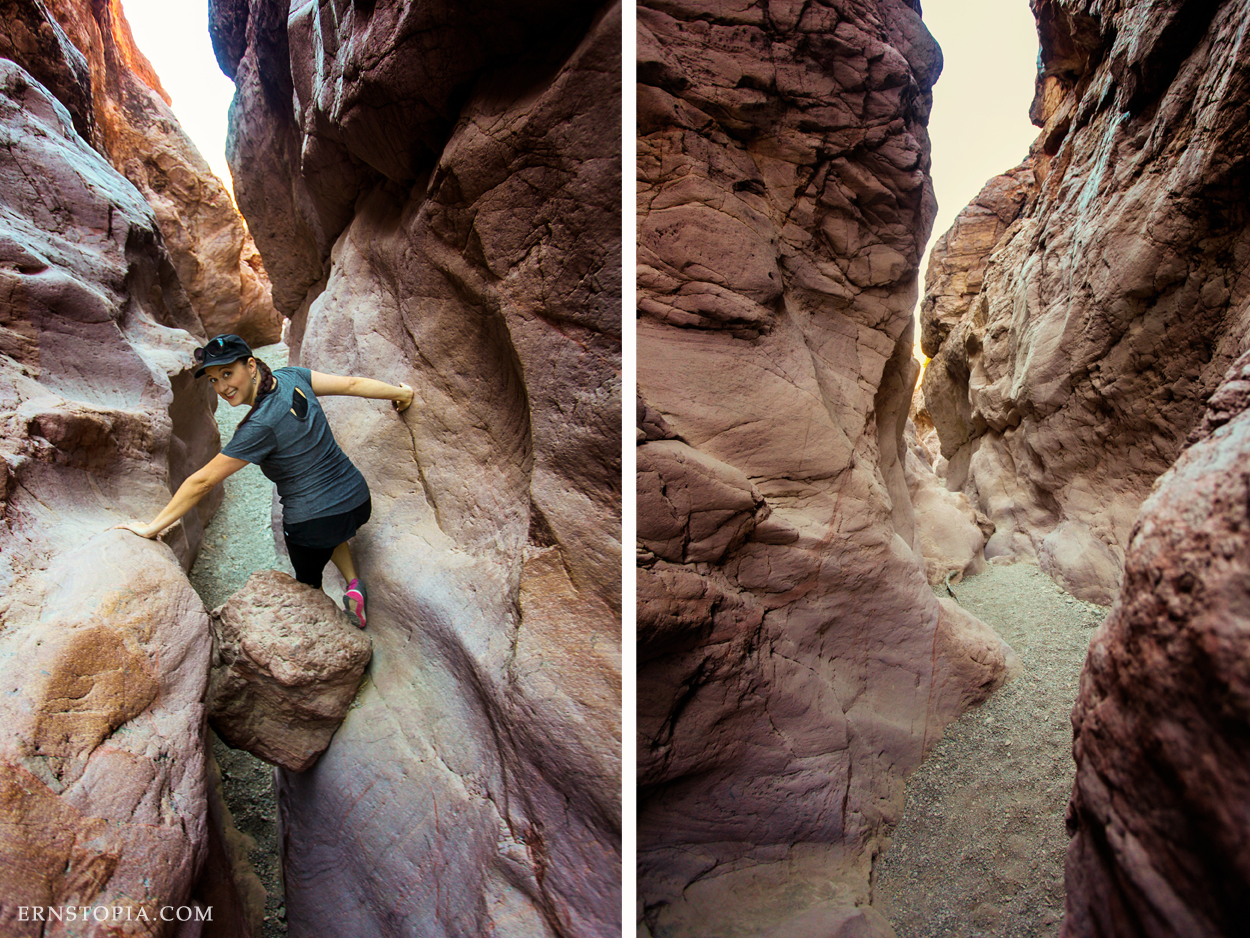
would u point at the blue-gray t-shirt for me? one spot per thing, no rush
(288, 437)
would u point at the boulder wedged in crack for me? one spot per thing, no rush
(436, 189)
(286, 665)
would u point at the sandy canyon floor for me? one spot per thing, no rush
(980, 849)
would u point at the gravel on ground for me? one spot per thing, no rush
(980, 850)
(238, 541)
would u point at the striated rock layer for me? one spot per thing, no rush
(1159, 808)
(104, 646)
(83, 51)
(1109, 309)
(793, 663)
(436, 191)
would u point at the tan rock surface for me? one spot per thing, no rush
(465, 239)
(128, 120)
(1158, 812)
(1112, 306)
(105, 647)
(793, 663)
(286, 665)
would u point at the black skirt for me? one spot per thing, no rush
(330, 531)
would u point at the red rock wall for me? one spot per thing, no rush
(1162, 725)
(130, 122)
(793, 663)
(1117, 300)
(104, 648)
(436, 192)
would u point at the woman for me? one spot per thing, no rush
(324, 497)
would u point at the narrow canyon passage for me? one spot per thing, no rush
(238, 541)
(980, 849)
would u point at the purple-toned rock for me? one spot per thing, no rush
(286, 665)
(102, 799)
(794, 665)
(120, 108)
(436, 191)
(104, 646)
(1159, 813)
(1108, 310)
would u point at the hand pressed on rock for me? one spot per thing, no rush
(401, 406)
(136, 527)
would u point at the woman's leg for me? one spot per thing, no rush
(308, 562)
(342, 558)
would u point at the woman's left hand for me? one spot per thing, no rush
(402, 404)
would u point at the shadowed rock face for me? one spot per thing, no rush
(793, 663)
(1112, 306)
(1162, 724)
(437, 198)
(84, 53)
(103, 645)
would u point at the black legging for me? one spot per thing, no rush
(309, 562)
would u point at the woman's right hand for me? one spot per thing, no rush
(401, 405)
(136, 527)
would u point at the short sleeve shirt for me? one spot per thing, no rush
(288, 436)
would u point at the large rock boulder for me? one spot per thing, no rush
(104, 647)
(1110, 308)
(286, 665)
(1159, 807)
(102, 796)
(794, 665)
(120, 108)
(436, 191)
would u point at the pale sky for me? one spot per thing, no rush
(979, 126)
(174, 37)
(980, 122)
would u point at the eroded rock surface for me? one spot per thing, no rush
(436, 191)
(120, 108)
(1113, 304)
(793, 663)
(1162, 745)
(104, 646)
(286, 665)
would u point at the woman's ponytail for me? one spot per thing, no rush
(266, 383)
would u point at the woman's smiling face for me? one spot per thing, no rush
(234, 383)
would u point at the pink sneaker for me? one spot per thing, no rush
(354, 602)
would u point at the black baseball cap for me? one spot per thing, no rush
(223, 350)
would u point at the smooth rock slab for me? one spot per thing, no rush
(286, 664)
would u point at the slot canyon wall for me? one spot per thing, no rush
(104, 647)
(85, 54)
(1088, 323)
(436, 193)
(1081, 311)
(794, 665)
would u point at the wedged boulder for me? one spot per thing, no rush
(286, 665)
(951, 533)
(1073, 356)
(1158, 815)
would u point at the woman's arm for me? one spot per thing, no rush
(197, 485)
(330, 385)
